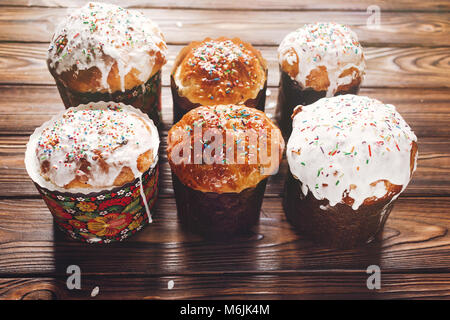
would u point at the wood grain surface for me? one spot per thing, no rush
(408, 65)
(257, 5)
(412, 240)
(389, 67)
(269, 286)
(37, 24)
(430, 177)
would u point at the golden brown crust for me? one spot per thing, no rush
(90, 80)
(412, 162)
(290, 68)
(316, 55)
(102, 47)
(144, 161)
(318, 79)
(223, 177)
(356, 80)
(84, 166)
(297, 110)
(230, 81)
(125, 176)
(391, 189)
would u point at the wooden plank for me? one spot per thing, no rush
(415, 238)
(263, 5)
(433, 168)
(259, 27)
(406, 55)
(23, 108)
(290, 286)
(386, 67)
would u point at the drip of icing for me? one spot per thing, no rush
(344, 143)
(144, 200)
(119, 133)
(91, 34)
(331, 45)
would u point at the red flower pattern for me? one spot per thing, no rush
(103, 225)
(114, 202)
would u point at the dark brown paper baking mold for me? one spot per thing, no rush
(146, 97)
(337, 226)
(218, 215)
(292, 94)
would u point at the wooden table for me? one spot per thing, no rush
(408, 64)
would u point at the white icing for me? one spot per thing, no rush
(331, 45)
(144, 200)
(328, 150)
(120, 132)
(100, 30)
(178, 80)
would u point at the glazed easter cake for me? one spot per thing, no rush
(222, 196)
(96, 167)
(316, 61)
(218, 71)
(350, 157)
(103, 52)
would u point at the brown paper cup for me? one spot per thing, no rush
(182, 105)
(218, 215)
(337, 226)
(146, 97)
(292, 94)
(104, 216)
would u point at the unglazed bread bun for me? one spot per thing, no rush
(351, 149)
(105, 48)
(323, 56)
(96, 146)
(219, 71)
(234, 121)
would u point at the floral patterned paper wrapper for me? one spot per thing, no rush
(146, 97)
(91, 214)
(182, 105)
(292, 94)
(105, 216)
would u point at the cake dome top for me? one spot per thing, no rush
(219, 71)
(351, 147)
(107, 37)
(237, 147)
(96, 146)
(330, 48)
